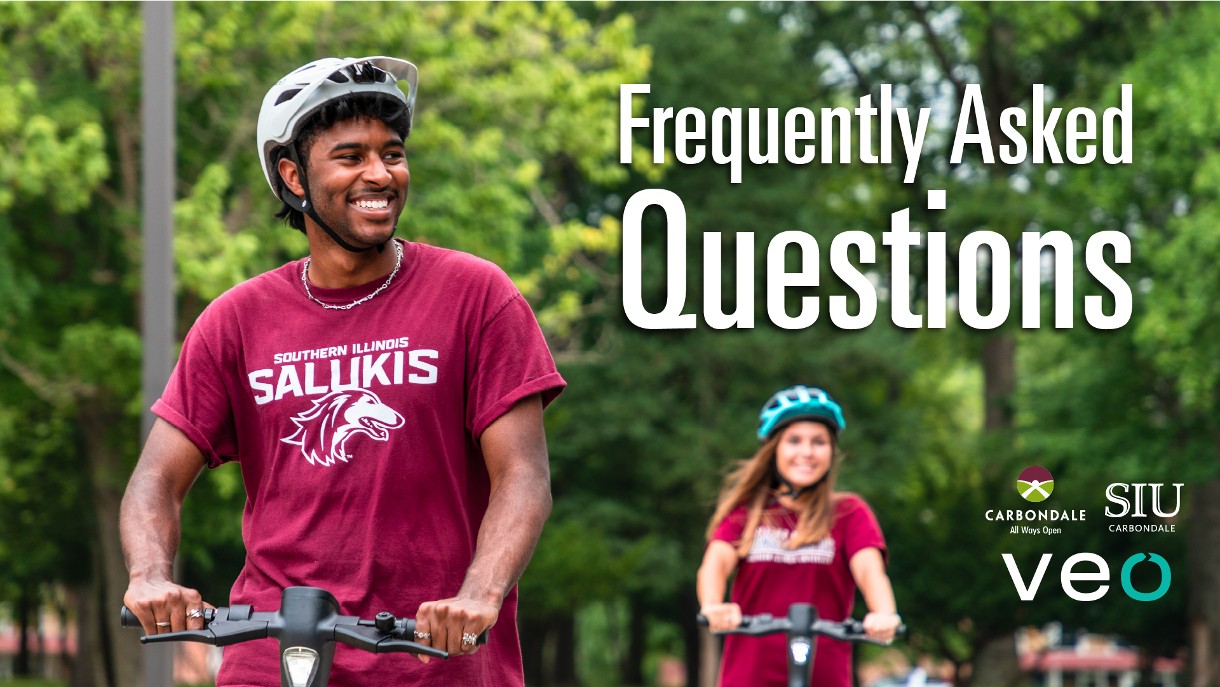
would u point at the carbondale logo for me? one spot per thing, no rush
(1035, 484)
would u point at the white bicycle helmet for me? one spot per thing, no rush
(296, 96)
(291, 101)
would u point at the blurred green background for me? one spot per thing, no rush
(515, 157)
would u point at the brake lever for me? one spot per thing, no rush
(853, 630)
(201, 636)
(389, 645)
(760, 619)
(746, 620)
(216, 634)
(374, 640)
(236, 631)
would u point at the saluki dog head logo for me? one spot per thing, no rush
(324, 430)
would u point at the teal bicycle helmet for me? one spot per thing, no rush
(799, 403)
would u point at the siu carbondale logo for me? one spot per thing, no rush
(324, 430)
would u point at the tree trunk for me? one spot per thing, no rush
(996, 664)
(999, 382)
(108, 476)
(702, 649)
(707, 665)
(66, 662)
(564, 666)
(89, 668)
(1204, 574)
(25, 610)
(632, 668)
(533, 641)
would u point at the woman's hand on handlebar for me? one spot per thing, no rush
(721, 616)
(881, 626)
(445, 623)
(163, 606)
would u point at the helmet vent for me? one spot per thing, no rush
(367, 72)
(287, 95)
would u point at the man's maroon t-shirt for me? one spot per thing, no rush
(773, 577)
(357, 435)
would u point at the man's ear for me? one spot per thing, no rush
(290, 173)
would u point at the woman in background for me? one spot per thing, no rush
(791, 538)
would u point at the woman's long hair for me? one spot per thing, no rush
(754, 480)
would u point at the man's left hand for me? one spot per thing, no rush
(448, 624)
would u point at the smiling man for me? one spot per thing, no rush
(391, 452)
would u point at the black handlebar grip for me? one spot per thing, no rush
(404, 628)
(128, 619)
(746, 620)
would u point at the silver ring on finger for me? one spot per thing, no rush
(423, 636)
(469, 638)
(194, 613)
(164, 623)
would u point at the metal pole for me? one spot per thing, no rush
(157, 296)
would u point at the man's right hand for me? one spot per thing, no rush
(163, 606)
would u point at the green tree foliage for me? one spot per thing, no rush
(1142, 399)
(515, 157)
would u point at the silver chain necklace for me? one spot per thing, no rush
(349, 306)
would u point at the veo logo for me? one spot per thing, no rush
(1069, 575)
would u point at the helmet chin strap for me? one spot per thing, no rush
(789, 490)
(303, 204)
